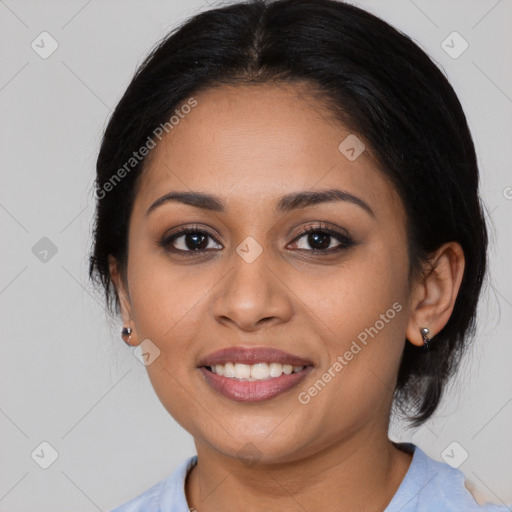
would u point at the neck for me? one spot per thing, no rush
(362, 474)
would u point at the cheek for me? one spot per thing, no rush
(361, 315)
(352, 298)
(165, 297)
(167, 309)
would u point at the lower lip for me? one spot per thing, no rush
(256, 390)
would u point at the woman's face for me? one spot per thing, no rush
(259, 282)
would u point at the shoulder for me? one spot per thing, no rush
(165, 494)
(433, 485)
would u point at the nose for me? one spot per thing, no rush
(253, 295)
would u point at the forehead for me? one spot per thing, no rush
(254, 143)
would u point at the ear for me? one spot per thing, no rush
(435, 293)
(123, 297)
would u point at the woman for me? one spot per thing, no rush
(288, 222)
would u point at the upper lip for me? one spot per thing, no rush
(253, 355)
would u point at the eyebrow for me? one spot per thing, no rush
(287, 203)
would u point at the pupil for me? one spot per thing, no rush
(195, 237)
(313, 240)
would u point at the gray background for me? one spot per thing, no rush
(66, 377)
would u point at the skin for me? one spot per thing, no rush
(250, 145)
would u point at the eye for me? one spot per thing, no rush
(323, 240)
(189, 241)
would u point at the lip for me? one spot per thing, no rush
(256, 390)
(253, 355)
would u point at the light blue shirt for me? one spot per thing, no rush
(428, 486)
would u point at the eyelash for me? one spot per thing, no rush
(345, 240)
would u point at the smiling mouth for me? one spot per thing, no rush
(253, 383)
(253, 373)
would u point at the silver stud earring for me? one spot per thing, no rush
(126, 334)
(426, 340)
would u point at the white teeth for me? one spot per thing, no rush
(275, 369)
(242, 371)
(229, 370)
(258, 371)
